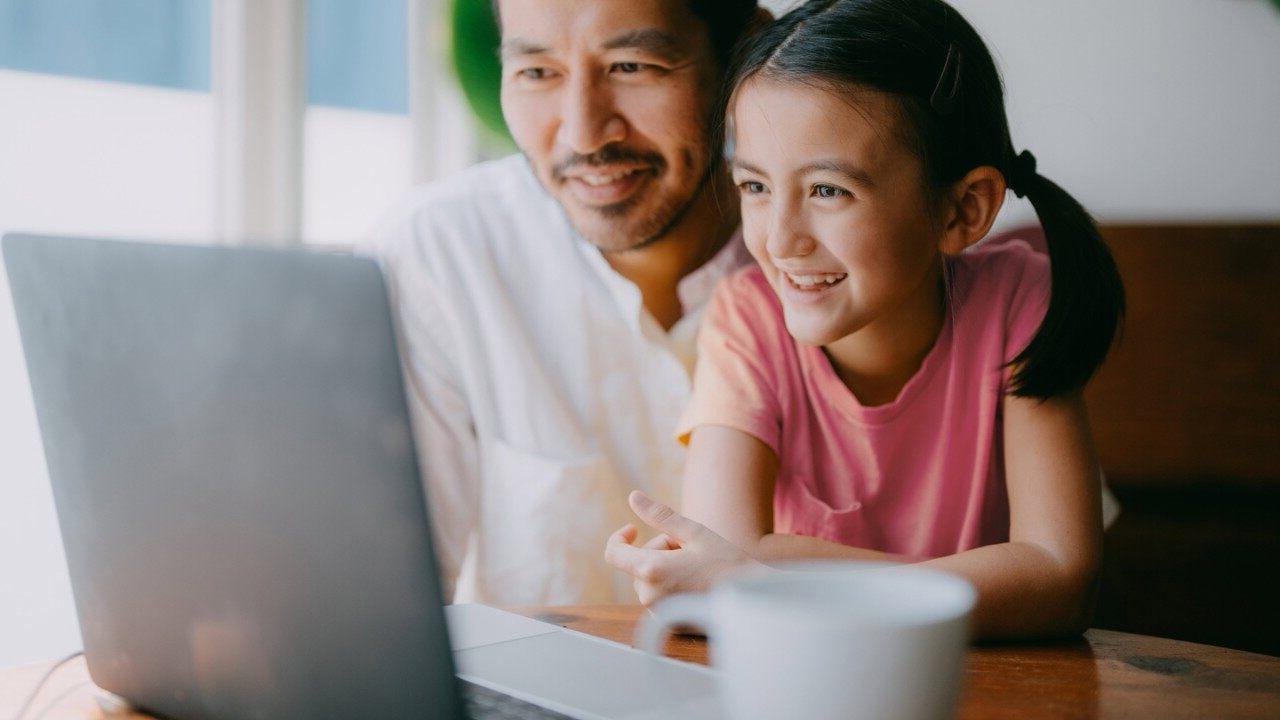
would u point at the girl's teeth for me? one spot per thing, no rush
(809, 281)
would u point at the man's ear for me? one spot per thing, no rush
(970, 208)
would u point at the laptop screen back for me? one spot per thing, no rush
(235, 480)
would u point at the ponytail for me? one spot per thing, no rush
(1086, 301)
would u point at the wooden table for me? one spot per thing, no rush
(1104, 675)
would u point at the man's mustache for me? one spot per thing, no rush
(611, 155)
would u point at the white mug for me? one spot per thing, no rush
(840, 640)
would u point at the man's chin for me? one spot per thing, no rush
(614, 240)
(613, 229)
(641, 219)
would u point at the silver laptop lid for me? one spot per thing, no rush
(235, 480)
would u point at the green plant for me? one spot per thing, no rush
(475, 60)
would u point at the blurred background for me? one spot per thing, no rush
(301, 121)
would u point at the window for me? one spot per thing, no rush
(109, 129)
(358, 135)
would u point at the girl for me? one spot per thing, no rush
(880, 385)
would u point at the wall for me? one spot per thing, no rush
(1144, 109)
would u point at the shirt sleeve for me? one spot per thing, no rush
(440, 413)
(734, 381)
(1028, 299)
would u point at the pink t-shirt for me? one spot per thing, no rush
(922, 476)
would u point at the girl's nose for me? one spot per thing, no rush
(789, 236)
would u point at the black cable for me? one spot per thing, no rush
(57, 699)
(35, 692)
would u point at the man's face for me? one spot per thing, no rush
(610, 101)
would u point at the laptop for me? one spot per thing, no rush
(238, 495)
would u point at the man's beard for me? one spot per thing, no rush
(616, 234)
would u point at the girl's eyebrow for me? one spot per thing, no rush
(853, 172)
(856, 174)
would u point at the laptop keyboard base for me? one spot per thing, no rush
(486, 704)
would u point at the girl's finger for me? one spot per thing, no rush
(648, 595)
(625, 534)
(662, 517)
(661, 542)
(620, 553)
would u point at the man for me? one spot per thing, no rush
(547, 303)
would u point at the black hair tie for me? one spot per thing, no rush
(1021, 172)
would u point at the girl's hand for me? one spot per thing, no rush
(684, 557)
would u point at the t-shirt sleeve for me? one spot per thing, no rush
(734, 381)
(1028, 291)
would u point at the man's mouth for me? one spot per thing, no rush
(607, 187)
(595, 180)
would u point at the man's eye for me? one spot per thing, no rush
(751, 187)
(630, 68)
(828, 191)
(534, 73)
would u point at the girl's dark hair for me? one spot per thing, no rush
(927, 56)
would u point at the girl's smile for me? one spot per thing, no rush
(803, 286)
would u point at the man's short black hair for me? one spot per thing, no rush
(727, 22)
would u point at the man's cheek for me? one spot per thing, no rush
(530, 128)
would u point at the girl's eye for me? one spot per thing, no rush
(828, 191)
(751, 187)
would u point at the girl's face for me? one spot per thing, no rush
(833, 207)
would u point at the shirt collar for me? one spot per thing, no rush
(694, 289)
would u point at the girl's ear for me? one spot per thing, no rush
(972, 204)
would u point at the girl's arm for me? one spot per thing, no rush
(728, 503)
(1041, 582)
(1037, 584)
(728, 486)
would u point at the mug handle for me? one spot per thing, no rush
(673, 611)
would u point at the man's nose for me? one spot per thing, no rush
(589, 117)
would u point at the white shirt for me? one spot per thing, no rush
(540, 389)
